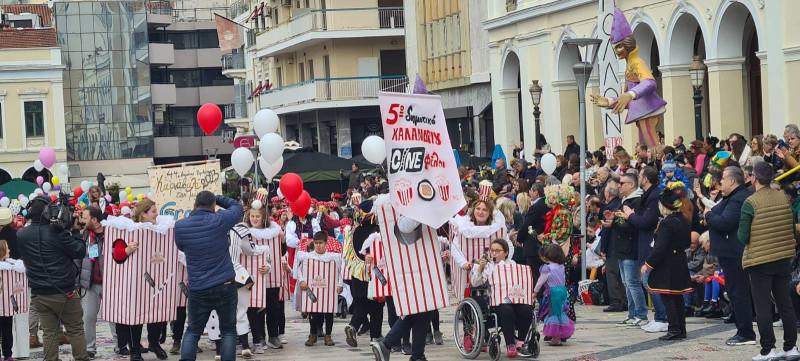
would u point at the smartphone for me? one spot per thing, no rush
(149, 280)
(380, 276)
(184, 289)
(14, 303)
(696, 183)
(311, 296)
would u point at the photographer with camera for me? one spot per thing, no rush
(49, 251)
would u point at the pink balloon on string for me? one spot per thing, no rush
(39, 180)
(47, 156)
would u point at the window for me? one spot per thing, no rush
(194, 78)
(208, 39)
(34, 119)
(278, 78)
(311, 70)
(301, 70)
(1, 120)
(186, 40)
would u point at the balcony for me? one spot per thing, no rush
(315, 26)
(331, 93)
(239, 8)
(159, 13)
(163, 94)
(236, 116)
(233, 65)
(162, 54)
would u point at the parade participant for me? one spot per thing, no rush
(91, 277)
(359, 263)
(514, 318)
(558, 228)
(97, 199)
(473, 234)
(7, 322)
(202, 236)
(639, 95)
(318, 272)
(263, 228)
(557, 325)
(669, 272)
(49, 254)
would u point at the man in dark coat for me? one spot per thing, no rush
(617, 300)
(534, 218)
(354, 178)
(723, 224)
(572, 147)
(500, 176)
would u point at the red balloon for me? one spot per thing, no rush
(301, 205)
(78, 192)
(292, 186)
(53, 197)
(209, 118)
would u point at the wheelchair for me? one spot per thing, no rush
(475, 326)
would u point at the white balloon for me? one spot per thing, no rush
(271, 147)
(125, 210)
(63, 169)
(24, 202)
(85, 185)
(280, 194)
(270, 170)
(37, 164)
(256, 204)
(123, 196)
(548, 163)
(4, 202)
(242, 160)
(374, 149)
(47, 187)
(32, 195)
(15, 208)
(38, 190)
(265, 122)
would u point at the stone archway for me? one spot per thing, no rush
(511, 97)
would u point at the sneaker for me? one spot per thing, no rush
(159, 352)
(176, 348)
(656, 326)
(406, 348)
(437, 338)
(522, 350)
(625, 322)
(380, 351)
(34, 342)
(363, 331)
(778, 323)
(312, 339)
(124, 352)
(739, 341)
(396, 349)
(274, 343)
(511, 351)
(217, 358)
(772, 355)
(791, 355)
(468, 343)
(258, 348)
(429, 339)
(88, 353)
(379, 339)
(329, 341)
(636, 323)
(350, 336)
(246, 353)
(283, 339)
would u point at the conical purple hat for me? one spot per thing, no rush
(620, 29)
(419, 86)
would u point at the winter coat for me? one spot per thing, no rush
(49, 257)
(203, 236)
(723, 224)
(625, 237)
(669, 271)
(85, 278)
(644, 220)
(695, 259)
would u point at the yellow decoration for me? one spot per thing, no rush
(139, 197)
(55, 180)
(786, 174)
(128, 190)
(130, 197)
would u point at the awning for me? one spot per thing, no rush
(256, 90)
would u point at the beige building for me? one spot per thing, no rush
(31, 92)
(751, 49)
(321, 64)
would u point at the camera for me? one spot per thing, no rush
(60, 212)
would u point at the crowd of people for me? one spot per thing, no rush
(701, 230)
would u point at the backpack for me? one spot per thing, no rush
(596, 290)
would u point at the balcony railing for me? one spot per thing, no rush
(235, 111)
(159, 7)
(233, 61)
(238, 8)
(336, 20)
(333, 89)
(199, 14)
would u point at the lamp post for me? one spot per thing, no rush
(697, 71)
(583, 64)
(536, 96)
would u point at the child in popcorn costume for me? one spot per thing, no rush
(317, 272)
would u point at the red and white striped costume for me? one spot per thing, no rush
(513, 282)
(13, 283)
(183, 276)
(286, 291)
(469, 244)
(376, 289)
(127, 297)
(322, 275)
(415, 271)
(262, 248)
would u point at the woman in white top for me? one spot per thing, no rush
(7, 322)
(510, 316)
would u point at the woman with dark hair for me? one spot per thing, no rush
(545, 148)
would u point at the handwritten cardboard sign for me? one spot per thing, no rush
(174, 187)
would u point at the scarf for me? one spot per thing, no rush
(637, 193)
(549, 216)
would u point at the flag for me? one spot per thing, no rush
(229, 33)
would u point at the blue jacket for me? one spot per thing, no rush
(203, 236)
(645, 220)
(723, 224)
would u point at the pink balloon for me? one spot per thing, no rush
(39, 180)
(47, 156)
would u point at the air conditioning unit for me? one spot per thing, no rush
(286, 2)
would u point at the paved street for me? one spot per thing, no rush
(596, 338)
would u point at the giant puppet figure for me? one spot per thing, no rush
(639, 91)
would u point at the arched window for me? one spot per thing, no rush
(31, 174)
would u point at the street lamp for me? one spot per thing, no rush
(584, 63)
(697, 71)
(536, 97)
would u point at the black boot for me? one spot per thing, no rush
(136, 355)
(672, 335)
(715, 312)
(704, 309)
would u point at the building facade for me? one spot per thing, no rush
(321, 64)
(749, 47)
(31, 92)
(448, 47)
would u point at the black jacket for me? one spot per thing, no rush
(607, 234)
(533, 217)
(573, 148)
(500, 180)
(645, 220)
(625, 236)
(49, 257)
(723, 224)
(353, 179)
(670, 272)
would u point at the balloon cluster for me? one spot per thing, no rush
(291, 187)
(265, 124)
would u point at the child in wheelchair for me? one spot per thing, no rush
(556, 322)
(514, 319)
